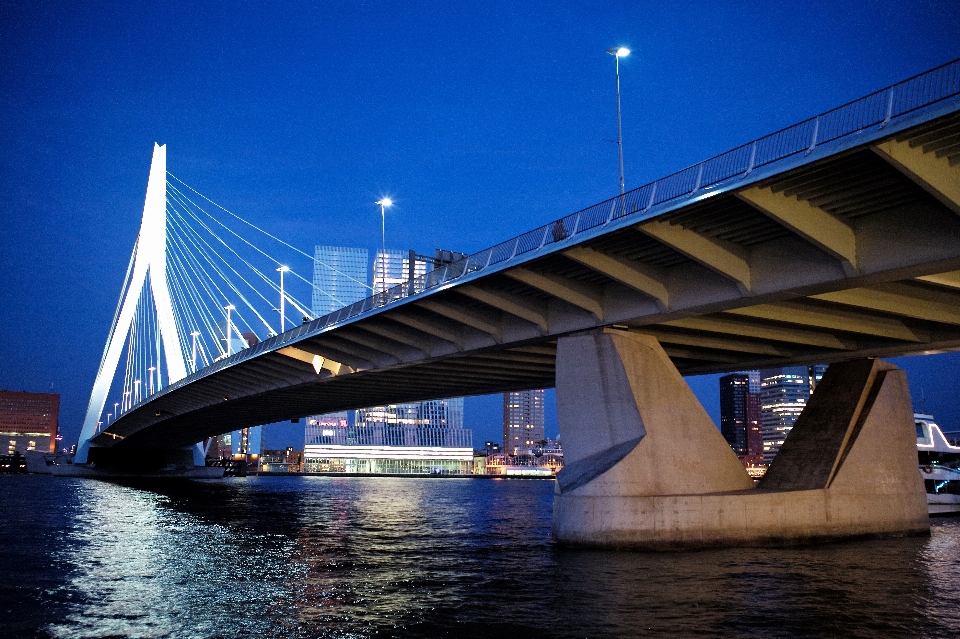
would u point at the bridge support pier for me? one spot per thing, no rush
(646, 468)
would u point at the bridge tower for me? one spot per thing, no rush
(149, 259)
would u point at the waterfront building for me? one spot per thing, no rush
(28, 421)
(783, 395)
(281, 461)
(740, 416)
(390, 448)
(523, 421)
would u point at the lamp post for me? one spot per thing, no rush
(282, 270)
(384, 203)
(151, 369)
(126, 401)
(193, 352)
(617, 53)
(116, 405)
(136, 393)
(228, 308)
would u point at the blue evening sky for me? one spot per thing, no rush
(481, 119)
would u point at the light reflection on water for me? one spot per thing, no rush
(387, 557)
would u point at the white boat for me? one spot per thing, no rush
(939, 467)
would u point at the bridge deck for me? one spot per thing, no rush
(851, 249)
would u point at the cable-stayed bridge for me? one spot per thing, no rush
(830, 241)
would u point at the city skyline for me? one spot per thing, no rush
(277, 115)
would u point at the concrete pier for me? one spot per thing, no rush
(646, 467)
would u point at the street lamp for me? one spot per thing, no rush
(136, 394)
(384, 203)
(193, 356)
(116, 405)
(151, 369)
(282, 270)
(228, 308)
(617, 53)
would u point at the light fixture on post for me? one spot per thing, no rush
(228, 308)
(384, 203)
(282, 270)
(193, 352)
(617, 53)
(151, 369)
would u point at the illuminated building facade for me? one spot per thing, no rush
(28, 421)
(393, 267)
(523, 421)
(783, 395)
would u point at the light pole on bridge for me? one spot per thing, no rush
(384, 203)
(193, 352)
(282, 270)
(228, 308)
(151, 369)
(617, 53)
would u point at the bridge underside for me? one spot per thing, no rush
(848, 254)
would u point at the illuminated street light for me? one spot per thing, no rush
(228, 308)
(193, 356)
(384, 203)
(617, 53)
(282, 270)
(151, 369)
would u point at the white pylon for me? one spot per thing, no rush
(150, 256)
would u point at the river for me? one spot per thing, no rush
(305, 557)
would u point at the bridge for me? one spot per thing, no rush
(836, 240)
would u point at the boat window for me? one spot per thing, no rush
(920, 432)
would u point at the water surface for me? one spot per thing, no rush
(306, 557)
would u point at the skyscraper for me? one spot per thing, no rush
(783, 395)
(740, 415)
(523, 422)
(339, 278)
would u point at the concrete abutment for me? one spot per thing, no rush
(646, 468)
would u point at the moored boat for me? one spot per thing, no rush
(939, 467)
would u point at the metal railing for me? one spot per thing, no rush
(876, 109)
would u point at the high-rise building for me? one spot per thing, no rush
(740, 415)
(392, 268)
(29, 421)
(339, 278)
(523, 421)
(783, 395)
